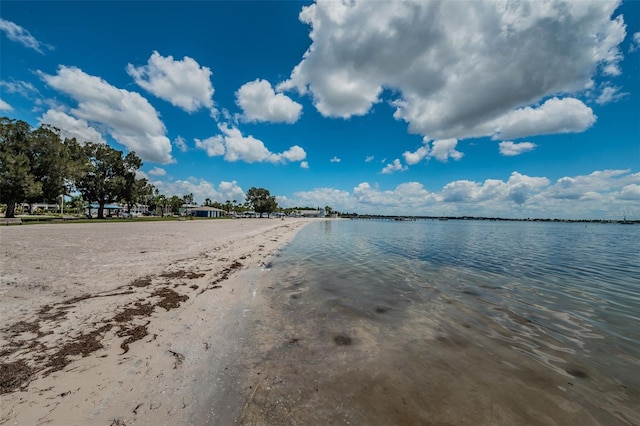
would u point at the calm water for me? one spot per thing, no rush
(558, 301)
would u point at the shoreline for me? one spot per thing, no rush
(121, 323)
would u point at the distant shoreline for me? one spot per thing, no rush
(483, 218)
(35, 219)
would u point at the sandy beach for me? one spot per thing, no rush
(130, 323)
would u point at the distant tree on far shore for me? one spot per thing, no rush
(261, 200)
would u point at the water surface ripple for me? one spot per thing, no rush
(566, 296)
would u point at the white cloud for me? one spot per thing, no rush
(15, 32)
(260, 102)
(521, 187)
(213, 146)
(369, 158)
(5, 106)
(630, 192)
(157, 171)
(180, 143)
(335, 159)
(556, 115)
(418, 155)
(408, 196)
(600, 193)
(245, 148)
(610, 94)
(237, 147)
(231, 191)
(202, 189)
(295, 153)
(127, 116)
(318, 197)
(71, 127)
(396, 166)
(304, 165)
(183, 83)
(444, 149)
(454, 81)
(510, 148)
(23, 88)
(460, 191)
(576, 188)
(635, 42)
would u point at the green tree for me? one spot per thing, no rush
(35, 165)
(328, 211)
(175, 202)
(261, 200)
(159, 204)
(137, 191)
(108, 175)
(76, 203)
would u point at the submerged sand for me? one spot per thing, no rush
(130, 323)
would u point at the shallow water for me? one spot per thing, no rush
(461, 322)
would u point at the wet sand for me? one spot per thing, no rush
(130, 323)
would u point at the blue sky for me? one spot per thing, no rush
(501, 108)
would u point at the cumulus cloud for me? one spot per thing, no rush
(15, 32)
(213, 146)
(316, 197)
(630, 192)
(600, 193)
(442, 150)
(202, 189)
(260, 102)
(396, 166)
(157, 171)
(295, 153)
(602, 181)
(183, 83)
(236, 147)
(71, 127)
(127, 116)
(568, 115)
(408, 195)
(304, 165)
(516, 190)
(454, 81)
(369, 158)
(5, 106)
(418, 155)
(510, 148)
(335, 159)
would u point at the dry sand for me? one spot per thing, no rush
(130, 323)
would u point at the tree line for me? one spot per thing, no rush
(38, 165)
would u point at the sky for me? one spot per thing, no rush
(488, 108)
